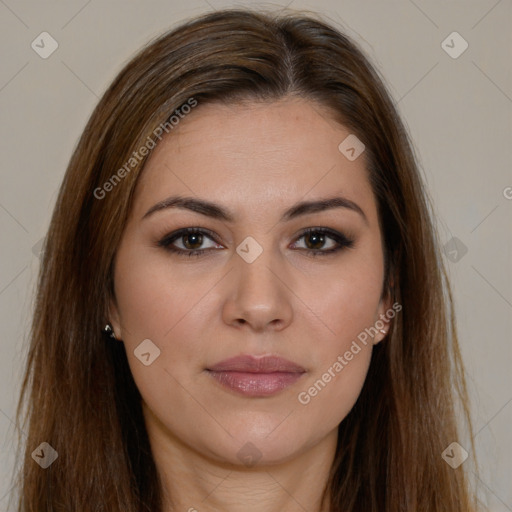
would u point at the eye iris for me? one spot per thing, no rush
(318, 240)
(197, 240)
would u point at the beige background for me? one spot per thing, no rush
(458, 111)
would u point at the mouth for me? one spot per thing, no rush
(256, 377)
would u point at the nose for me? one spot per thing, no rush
(259, 295)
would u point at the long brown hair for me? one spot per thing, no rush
(78, 394)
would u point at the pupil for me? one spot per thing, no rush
(318, 239)
(193, 236)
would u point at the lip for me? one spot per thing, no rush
(252, 364)
(256, 376)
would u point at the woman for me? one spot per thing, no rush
(242, 304)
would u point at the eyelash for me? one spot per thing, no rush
(342, 241)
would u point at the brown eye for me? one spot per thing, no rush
(191, 239)
(316, 239)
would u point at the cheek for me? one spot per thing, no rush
(157, 303)
(346, 308)
(330, 394)
(161, 306)
(153, 298)
(343, 351)
(347, 302)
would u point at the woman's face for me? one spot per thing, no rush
(262, 287)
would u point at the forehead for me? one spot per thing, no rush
(254, 155)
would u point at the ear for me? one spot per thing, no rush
(382, 320)
(113, 318)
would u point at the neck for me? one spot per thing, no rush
(194, 482)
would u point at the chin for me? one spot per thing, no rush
(250, 447)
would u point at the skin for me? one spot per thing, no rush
(257, 159)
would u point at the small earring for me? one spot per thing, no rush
(383, 331)
(109, 331)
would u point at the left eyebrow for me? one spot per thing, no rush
(219, 212)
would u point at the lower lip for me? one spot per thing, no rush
(256, 384)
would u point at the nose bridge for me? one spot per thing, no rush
(259, 297)
(256, 267)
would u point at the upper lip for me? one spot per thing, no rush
(252, 364)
